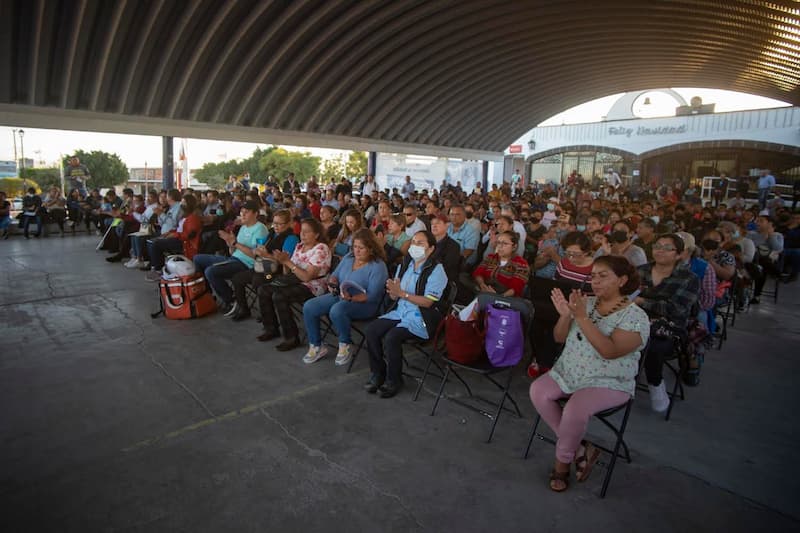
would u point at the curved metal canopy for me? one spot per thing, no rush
(470, 75)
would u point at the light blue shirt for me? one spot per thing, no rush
(766, 182)
(371, 276)
(169, 220)
(248, 236)
(467, 238)
(409, 314)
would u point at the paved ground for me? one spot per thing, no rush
(112, 421)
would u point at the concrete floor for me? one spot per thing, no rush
(113, 421)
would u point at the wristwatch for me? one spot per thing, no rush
(406, 296)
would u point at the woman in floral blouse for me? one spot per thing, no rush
(603, 337)
(309, 264)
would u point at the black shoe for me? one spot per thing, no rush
(268, 336)
(390, 389)
(114, 258)
(375, 382)
(37, 235)
(5, 235)
(754, 301)
(240, 315)
(27, 236)
(288, 344)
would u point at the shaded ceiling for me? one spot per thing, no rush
(461, 74)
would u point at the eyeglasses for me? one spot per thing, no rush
(505, 243)
(664, 247)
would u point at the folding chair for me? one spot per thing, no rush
(778, 276)
(603, 417)
(486, 369)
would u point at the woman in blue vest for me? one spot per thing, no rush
(417, 288)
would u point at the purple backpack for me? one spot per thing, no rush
(505, 342)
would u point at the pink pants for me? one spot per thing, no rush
(569, 424)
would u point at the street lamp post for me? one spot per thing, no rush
(16, 159)
(22, 158)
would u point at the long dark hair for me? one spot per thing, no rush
(316, 227)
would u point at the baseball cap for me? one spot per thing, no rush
(251, 205)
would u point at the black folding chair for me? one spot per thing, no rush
(604, 418)
(485, 368)
(777, 276)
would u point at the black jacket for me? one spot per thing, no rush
(448, 253)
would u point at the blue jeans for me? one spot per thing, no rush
(763, 196)
(792, 256)
(26, 221)
(217, 269)
(341, 313)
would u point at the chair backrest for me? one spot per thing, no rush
(450, 299)
(540, 289)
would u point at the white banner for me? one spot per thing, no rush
(426, 172)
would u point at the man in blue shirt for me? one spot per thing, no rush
(464, 234)
(217, 268)
(765, 184)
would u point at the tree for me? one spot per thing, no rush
(16, 187)
(280, 162)
(332, 170)
(45, 177)
(107, 170)
(215, 175)
(356, 165)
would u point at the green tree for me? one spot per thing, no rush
(332, 170)
(215, 175)
(107, 170)
(280, 162)
(45, 177)
(16, 187)
(356, 164)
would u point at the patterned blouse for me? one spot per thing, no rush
(581, 367)
(319, 256)
(513, 275)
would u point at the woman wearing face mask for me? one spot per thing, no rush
(551, 215)
(185, 239)
(733, 236)
(619, 243)
(418, 286)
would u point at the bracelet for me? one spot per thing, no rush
(293, 268)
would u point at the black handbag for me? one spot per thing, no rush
(285, 280)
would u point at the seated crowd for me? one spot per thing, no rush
(649, 271)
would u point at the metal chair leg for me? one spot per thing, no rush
(422, 381)
(500, 406)
(532, 435)
(620, 441)
(441, 389)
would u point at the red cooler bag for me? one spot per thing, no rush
(186, 297)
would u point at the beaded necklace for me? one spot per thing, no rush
(595, 315)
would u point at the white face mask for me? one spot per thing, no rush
(416, 252)
(655, 219)
(551, 207)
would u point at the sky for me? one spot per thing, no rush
(46, 146)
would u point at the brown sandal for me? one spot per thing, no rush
(559, 476)
(584, 463)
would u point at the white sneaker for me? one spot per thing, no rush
(133, 263)
(315, 353)
(659, 401)
(344, 356)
